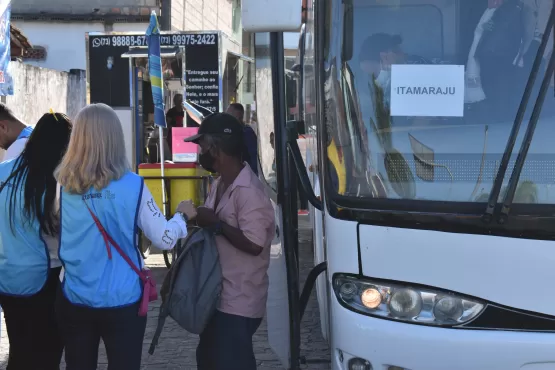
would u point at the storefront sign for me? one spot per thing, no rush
(111, 85)
(427, 90)
(6, 82)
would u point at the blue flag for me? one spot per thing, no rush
(155, 70)
(6, 81)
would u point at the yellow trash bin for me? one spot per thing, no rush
(179, 189)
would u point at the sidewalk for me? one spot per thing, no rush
(176, 349)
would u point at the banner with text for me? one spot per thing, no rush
(111, 85)
(6, 82)
(427, 90)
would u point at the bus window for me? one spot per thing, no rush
(447, 152)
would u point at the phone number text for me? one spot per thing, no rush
(165, 40)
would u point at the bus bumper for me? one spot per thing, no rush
(390, 345)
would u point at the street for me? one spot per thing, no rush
(176, 349)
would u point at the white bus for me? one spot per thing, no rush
(432, 136)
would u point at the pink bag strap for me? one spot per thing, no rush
(108, 240)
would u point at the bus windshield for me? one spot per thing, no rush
(421, 96)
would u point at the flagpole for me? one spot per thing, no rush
(163, 170)
(157, 83)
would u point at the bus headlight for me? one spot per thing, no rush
(404, 303)
(448, 308)
(371, 298)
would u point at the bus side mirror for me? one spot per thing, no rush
(271, 15)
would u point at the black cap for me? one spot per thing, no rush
(221, 124)
(378, 43)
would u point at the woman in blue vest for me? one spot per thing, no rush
(101, 292)
(29, 265)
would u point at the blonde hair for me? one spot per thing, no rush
(96, 152)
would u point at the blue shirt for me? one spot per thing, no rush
(25, 133)
(251, 142)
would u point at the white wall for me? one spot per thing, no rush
(208, 15)
(36, 90)
(65, 42)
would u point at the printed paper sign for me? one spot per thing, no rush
(427, 90)
(182, 151)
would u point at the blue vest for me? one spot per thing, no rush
(24, 258)
(25, 133)
(91, 278)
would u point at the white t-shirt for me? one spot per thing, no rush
(15, 149)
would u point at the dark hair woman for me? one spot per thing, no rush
(29, 264)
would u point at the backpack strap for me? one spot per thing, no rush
(161, 321)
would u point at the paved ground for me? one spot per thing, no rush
(177, 347)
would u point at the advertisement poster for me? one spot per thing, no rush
(202, 60)
(6, 82)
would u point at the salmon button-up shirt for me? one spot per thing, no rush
(246, 206)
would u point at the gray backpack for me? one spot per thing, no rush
(191, 290)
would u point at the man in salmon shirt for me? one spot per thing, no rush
(242, 216)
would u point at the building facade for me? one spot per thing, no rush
(193, 15)
(57, 30)
(225, 16)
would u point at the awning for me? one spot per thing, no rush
(142, 52)
(242, 57)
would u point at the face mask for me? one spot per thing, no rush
(207, 162)
(383, 78)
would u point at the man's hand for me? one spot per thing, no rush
(187, 208)
(206, 217)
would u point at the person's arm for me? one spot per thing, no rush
(207, 218)
(239, 240)
(163, 234)
(255, 219)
